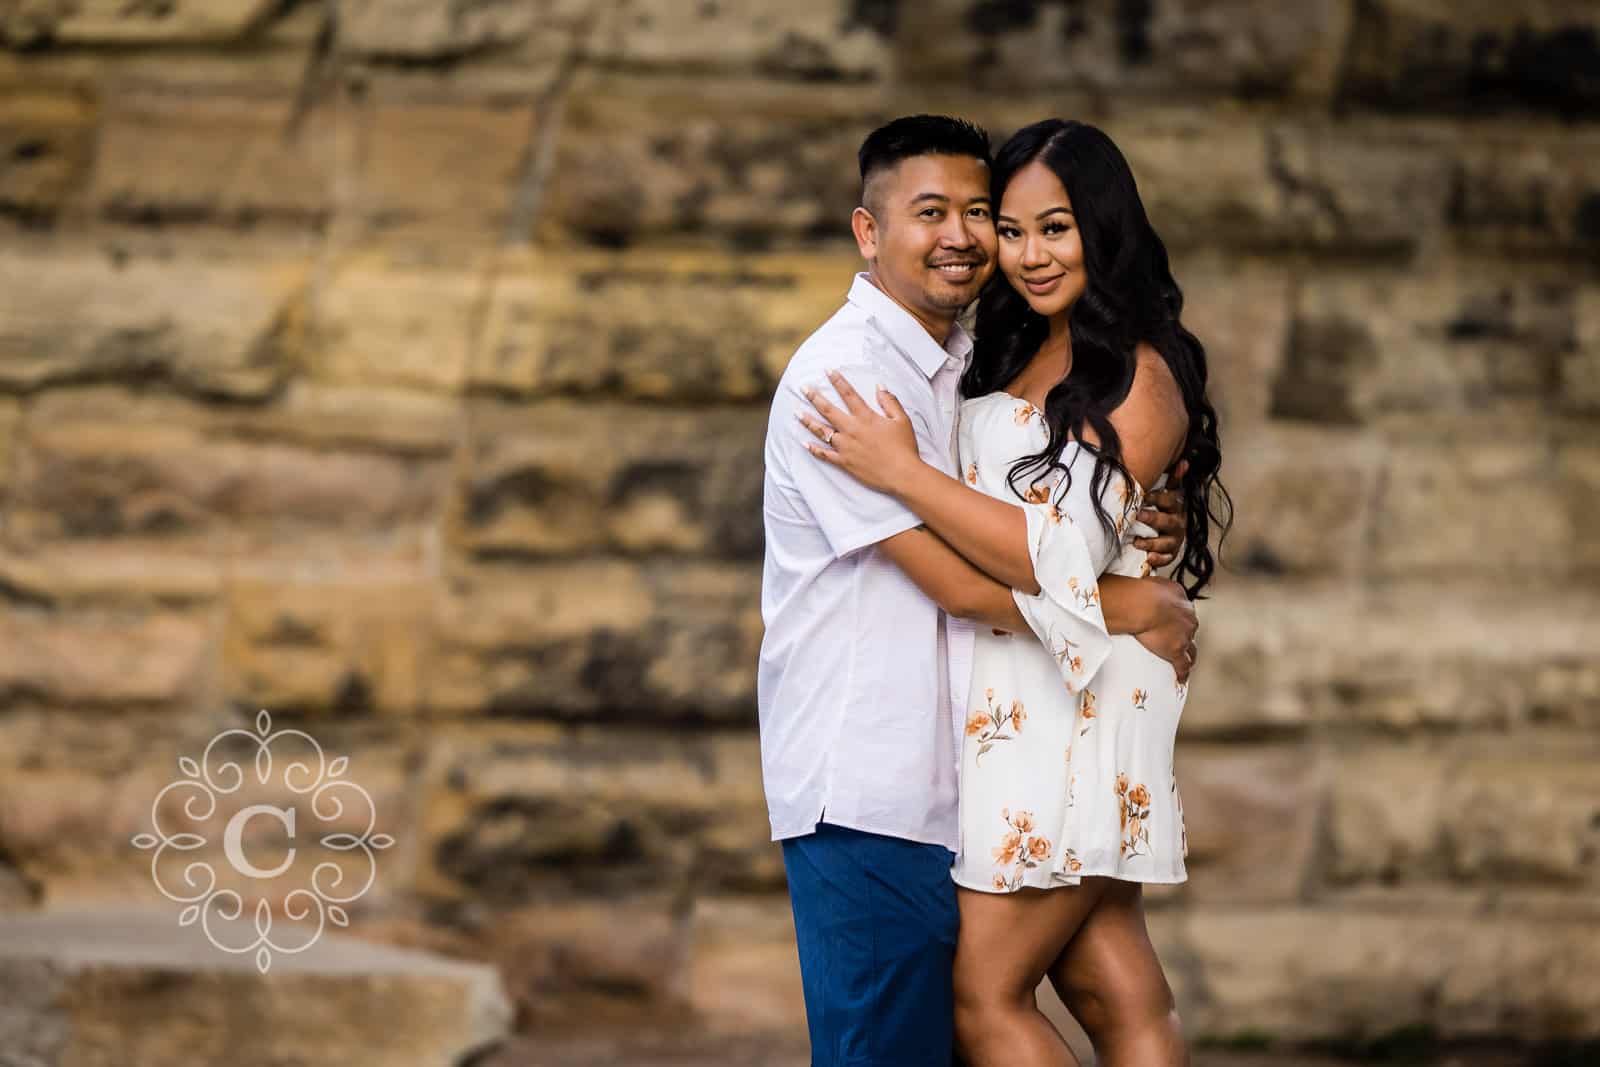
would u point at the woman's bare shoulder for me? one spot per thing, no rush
(1152, 421)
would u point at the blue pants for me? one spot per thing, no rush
(875, 918)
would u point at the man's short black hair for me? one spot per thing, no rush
(919, 135)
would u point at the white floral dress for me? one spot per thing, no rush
(1066, 762)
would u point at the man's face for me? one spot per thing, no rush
(929, 233)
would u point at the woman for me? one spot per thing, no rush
(1084, 389)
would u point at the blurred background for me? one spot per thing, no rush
(400, 367)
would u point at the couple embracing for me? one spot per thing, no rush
(970, 680)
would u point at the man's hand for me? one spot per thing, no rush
(1165, 511)
(1173, 623)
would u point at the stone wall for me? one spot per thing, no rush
(400, 366)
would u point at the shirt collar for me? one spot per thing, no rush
(905, 332)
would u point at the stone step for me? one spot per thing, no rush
(135, 989)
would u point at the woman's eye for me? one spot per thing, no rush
(1053, 228)
(1008, 232)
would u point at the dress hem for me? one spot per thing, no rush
(988, 887)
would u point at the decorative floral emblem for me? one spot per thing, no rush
(326, 789)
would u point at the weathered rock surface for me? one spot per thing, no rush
(133, 988)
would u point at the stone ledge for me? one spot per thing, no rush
(133, 988)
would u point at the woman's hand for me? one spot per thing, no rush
(1166, 512)
(879, 451)
(1172, 623)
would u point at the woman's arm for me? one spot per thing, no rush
(880, 451)
(950, 581)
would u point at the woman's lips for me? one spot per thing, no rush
(1044, 287)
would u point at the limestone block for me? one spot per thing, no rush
(1580, 365)
(1529, 188)
(72, 803)
(375, 322)
(235, 157)
(513, 812)
(179, 485)
(1253, 816)
(10, 416)
(111, 22)
(209, 326)
(557, 478)
(683, 326)
(614, 961)
(348, 646)
(133, 988)
(437, 29)
(600, 638)
(1474, 57)
(47, 139)
(1212, 47)
(1297, 974)
(1281, 184)
(736, 161)
(1459, 500)
(1454, 340)
(1521, 813)
(829, 41)
(1400, 658)
(744, 973)
(440, 165)
(386, 158)
(1240, 310)
(107, 658)
(1302, 498)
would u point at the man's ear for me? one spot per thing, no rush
(865, 227)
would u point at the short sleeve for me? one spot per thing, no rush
(850, 515)
(1066, 542)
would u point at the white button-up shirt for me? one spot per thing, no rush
(862, 678)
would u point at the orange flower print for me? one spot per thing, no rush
(1134, 804)
(989, 725)
(1055, 515)
(1139, 698)
(1038, 493)
(1083, 595)
(1024, 412)
(1020, 849)
(1070, 862)
(972, 474)
(1064, 656)
(1005, 854)
(1086, 704)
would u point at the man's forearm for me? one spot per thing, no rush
(991, 533)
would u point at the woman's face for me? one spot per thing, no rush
(1041, 253)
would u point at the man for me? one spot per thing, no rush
(862, 682)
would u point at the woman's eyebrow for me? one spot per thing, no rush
(1051, 211)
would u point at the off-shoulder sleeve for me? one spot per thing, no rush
(1066, 542)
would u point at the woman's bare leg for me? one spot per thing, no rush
(1007, 942)
(1109, 977)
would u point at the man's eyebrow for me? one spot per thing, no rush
(920, 197)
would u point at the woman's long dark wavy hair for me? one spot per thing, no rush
(1130, 297)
